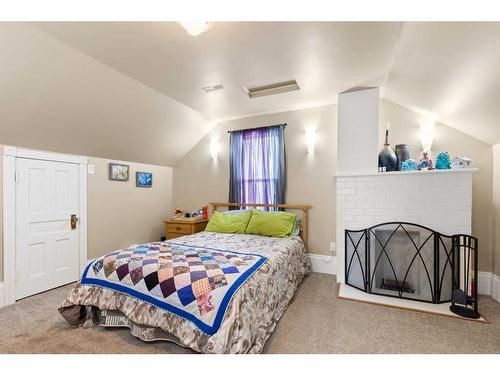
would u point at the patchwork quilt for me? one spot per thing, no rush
(180, 289)
(192, 282)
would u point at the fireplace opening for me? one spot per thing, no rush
(394, 285)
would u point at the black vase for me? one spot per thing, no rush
(402, 154)
(387, 158)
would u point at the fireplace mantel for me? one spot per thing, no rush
(409, 173)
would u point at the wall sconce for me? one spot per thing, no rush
(310, 140)
(214, 148)
(427, 135)
(195, 28)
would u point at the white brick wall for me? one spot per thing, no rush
(440, 200)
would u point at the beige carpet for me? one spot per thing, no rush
(315, 322)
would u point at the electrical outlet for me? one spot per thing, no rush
(333, 249)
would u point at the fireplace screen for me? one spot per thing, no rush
(401, 260)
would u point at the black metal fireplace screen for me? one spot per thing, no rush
(410, 261)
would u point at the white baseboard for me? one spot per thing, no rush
(495, 287)
(489, 284)
(323, 264)
(2, 295)
(484, 282)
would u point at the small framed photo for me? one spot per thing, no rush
(144, 179)
(118, 172)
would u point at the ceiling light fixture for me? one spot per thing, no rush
(195, 28)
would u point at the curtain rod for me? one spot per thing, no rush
(260, 127)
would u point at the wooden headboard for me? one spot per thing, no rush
(302, 207)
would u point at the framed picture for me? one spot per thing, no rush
(118, 172)
(143, 179)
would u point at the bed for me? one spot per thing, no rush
(211, 292)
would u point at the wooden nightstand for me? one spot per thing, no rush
(178, 228)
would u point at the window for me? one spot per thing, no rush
(257, 165)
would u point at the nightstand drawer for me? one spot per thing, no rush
(174, 235)
(179, 228)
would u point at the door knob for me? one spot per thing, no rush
(74, 219)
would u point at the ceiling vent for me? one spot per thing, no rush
(213, 88)
(275, 88)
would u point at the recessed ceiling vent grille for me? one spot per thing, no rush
(213, 88)
(275, 88)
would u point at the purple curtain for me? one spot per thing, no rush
(257, 165)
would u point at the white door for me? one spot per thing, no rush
(47, 248)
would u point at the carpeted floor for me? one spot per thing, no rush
(315, 322)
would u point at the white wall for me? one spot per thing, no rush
(496, 209)
(358, 114)
(310, 178)
(121, 214)
(198, 180)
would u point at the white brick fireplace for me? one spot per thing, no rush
(440, 200)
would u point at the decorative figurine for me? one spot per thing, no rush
(409, 165)
(178, 213)
(425, 162)
(387, 157)
(459, 162)
(443, 161)
(402, 154)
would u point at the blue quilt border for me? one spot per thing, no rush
(205, 328)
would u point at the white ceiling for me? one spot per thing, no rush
(448, 70)
(325, 58)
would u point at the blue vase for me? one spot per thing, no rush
(402, 154)
(387, 158)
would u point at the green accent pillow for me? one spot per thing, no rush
(235, 212)
(274, 223)
(228, 223)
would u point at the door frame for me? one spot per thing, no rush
(10, 153)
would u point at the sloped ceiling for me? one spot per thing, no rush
(53, 97)
(449, 71)
(446, 70)
(324, 57)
